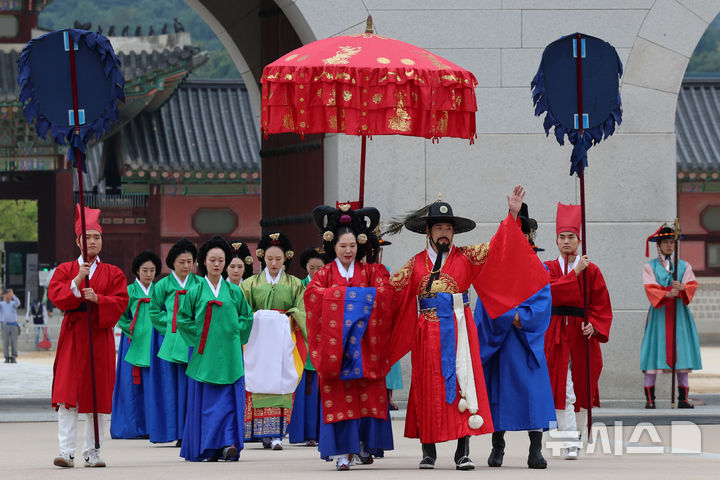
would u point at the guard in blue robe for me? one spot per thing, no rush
(516, 372)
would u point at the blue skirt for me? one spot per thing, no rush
(344, 437)
(305, 419)
(215, 419)
(167, 390)
(128, 408)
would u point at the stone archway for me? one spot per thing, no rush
(658, 60)
(633, 174)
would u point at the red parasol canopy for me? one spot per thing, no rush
(367, 84)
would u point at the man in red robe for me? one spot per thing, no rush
(107, 299)
(448, 399)
(565, 338)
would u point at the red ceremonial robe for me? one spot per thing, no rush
(564, 341)
(362, 397)
(429, 417)
(71, 373)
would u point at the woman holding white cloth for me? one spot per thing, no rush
(270, 293)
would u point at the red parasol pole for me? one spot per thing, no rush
(363, 148)
(581, 124)
(81, 195)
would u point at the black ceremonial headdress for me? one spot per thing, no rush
(361, 223)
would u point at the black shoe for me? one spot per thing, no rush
(393, 407)
(365, 460)
(12, 360)
(7, 360)
(427, 463)
(178, 443)
(498, 451)
(464, 463)
(535, 456)
(683, 401)
(650, 397)
(230, 453)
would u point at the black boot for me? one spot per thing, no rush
(683, 401)
(462, 460)
(535, 457)
(650, 397)
(498, 449)
(429, 456)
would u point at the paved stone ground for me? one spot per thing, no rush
(28, 449)
(28, 429)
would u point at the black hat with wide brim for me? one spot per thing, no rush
(440, 212)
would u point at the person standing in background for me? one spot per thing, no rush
(10, 328)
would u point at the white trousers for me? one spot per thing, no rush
(568, 420)
(67, 430)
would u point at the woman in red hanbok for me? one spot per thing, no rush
(348, 306)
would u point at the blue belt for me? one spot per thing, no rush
(12, 323)
(428, 301)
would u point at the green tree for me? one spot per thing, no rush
(18, 220)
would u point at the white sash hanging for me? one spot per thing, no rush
(269, 361)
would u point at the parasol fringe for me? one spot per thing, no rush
(591, 136)
(396, 225)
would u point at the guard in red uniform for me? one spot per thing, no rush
(107, 298)
(565, 338)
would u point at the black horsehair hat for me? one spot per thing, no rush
(664, 232)
(429, 215)
(529, 226)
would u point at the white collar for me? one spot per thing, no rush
(432, 254)
(177, 279)
(146, 291)
(561, 261)
(347, 274)
(270, 279)
(92, 267)
(215, 290)
(231, 282)
(667, 262)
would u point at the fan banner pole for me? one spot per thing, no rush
(81, 195)
(674, 343)
(581, 125)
